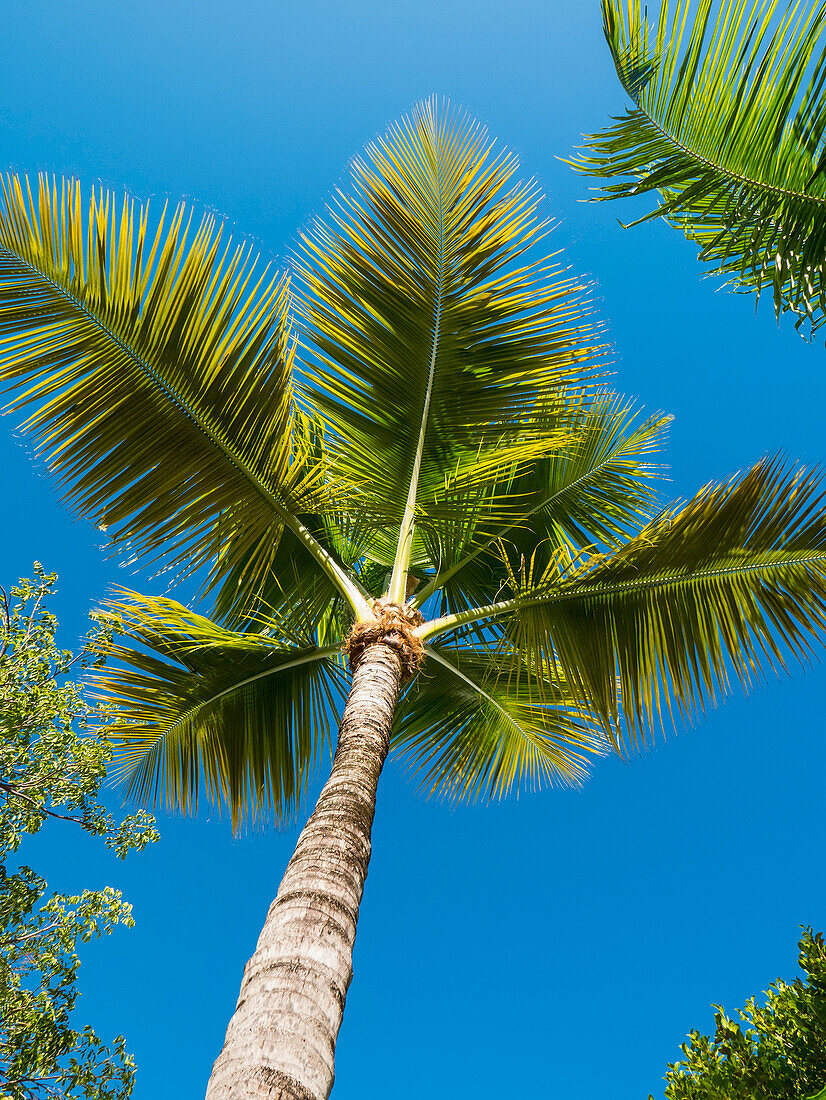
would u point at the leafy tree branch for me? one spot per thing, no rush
(53, 759)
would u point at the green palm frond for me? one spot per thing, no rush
(729, 583)
(297, 586)
(600, 488)
(728, 125)
(592, 493)
(294, 587)
(470, 732)
(429, 332)
(242, 717)
(160, 367)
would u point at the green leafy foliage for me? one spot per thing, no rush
(728, 126)
(53, 759)
(773, 1051)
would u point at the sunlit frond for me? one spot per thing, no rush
(728, 125)
(159, 366)
(240, 718)
(593, 493)
(727, 585)
(470, 731)
(429, 329)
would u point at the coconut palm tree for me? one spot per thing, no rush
(727, 124)
(406, 454)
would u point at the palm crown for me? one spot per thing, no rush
(416, 412)
(406, 448)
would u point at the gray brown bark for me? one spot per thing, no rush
(280, 1044)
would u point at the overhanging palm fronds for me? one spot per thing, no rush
(242, 717)
(162, 368)
(728, 125)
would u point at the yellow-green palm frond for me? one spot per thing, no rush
(242, 718)
(470, 731)
(296, 585)
(431, 332)
(728, 584)
(592, 493)
(159, 366)
(728, 125)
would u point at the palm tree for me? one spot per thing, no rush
(406, 454)
(728, 126)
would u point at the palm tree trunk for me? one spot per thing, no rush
(280, 1044)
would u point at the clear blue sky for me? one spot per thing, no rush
(556, 946)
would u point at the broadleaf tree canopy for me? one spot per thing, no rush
(776, 1050)
(53, 761)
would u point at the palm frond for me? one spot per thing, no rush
(296, 586)
(240, 717)
(590, 494)
(728, 125)
(730, 583)
(430, 333)
(160, 366)
(470, 732)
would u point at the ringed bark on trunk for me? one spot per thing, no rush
(280, 1043)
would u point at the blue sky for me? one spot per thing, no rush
(562, 944)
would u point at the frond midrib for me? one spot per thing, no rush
(728, 173)
(671, 581)
(405, 544)
(182, 719)
(164, 386)
(434, 627)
